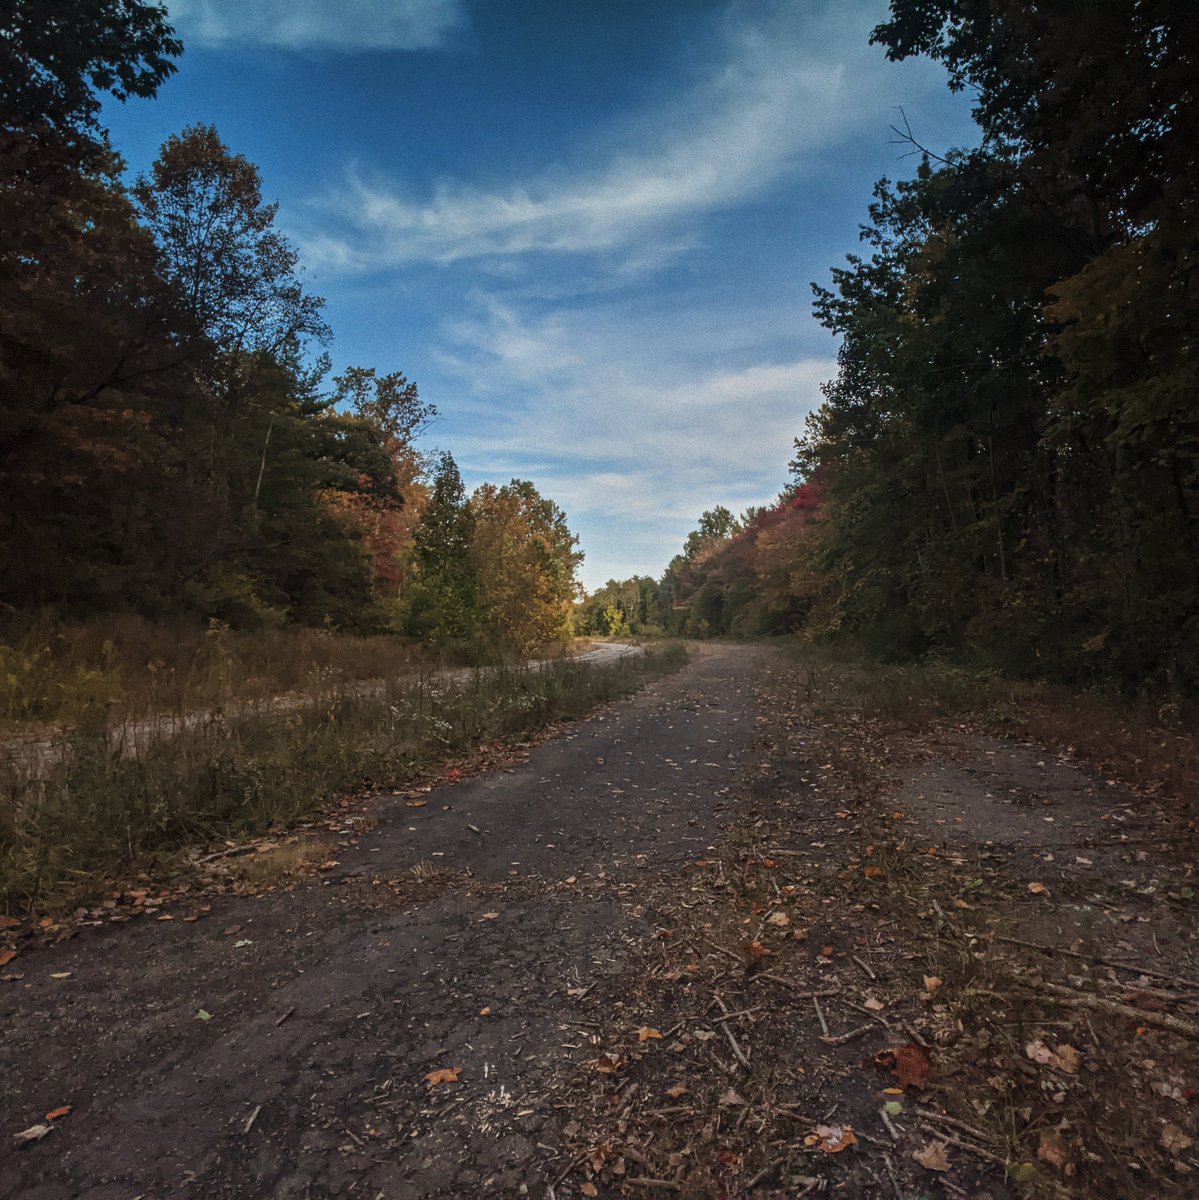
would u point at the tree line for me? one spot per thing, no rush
(1006, 465)
(172, 440)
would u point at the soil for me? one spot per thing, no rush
(683, 947)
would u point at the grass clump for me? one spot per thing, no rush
(95, 811)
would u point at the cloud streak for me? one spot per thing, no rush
(316, 25)
(770, 98)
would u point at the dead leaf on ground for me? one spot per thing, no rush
(645, 1033)
(909, 1063)
(1174, 1140)
(1054, 1151)
(679, 1089)
(588, 1189)
(443, 1075)
(730, 1098)
(605, 1064)
(34, 1133)
(932, 983)
(9, 922)
(778, 918)
(874, 1005)
(756, 950)
(1037, 888)
(1065, 1058)
(417, 803)
(6, 956)
(933, 1157)
(831, 1139)
(55, 1113)
(491, 916)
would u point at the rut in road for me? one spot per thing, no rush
(510, 893)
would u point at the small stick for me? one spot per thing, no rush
(286, 1015)
(796, 995)
(570, 1166)
(980, 1151)
(892, 1176)
(882, 1112)
(728, 1033)
(474, 829)
(741, 1012)
(852, 1036)
(1071, 999)
(667, 1185)
(820, 1016)
(724, 950)
(910, 1030)
(944, 1119)
(252, 1118)
(872, 1015)
(865, 967)
(1107, 962)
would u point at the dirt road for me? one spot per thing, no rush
(330, 1004)
(751, 933)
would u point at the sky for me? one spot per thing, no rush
(586, 229)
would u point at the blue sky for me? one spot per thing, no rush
(587, 230)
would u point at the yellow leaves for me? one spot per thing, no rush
(831, 1139)
(443, 1075)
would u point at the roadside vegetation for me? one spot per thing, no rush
(79, 814)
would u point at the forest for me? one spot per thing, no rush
(1005, 469)
(172, 443)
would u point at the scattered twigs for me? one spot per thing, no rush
(796, 995)
(913, 1033)
(1095, 958)
(887, 1124)
(872, 1015)
(665, 1185)
(230, 853)
(1069, 998)
(978, 1151)
(841, 1039)
(893, 1177)
(820, 1016)
(865, 967)
(738, 1053)
(577, 1161)
(943, 1119)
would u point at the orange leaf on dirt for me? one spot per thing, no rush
(605, 1064)
(588, 1189)
(679, 1089)
(756, 950)
(1037, 888)
(9, 922)
(443, 1075)
(645, 1033)
(873, 872)
(1054, 1151)
(932, 983)
(827, 951)
(417, 803)
(909, 1063)
(831, 1139)
(6, 956)
(55, 1113)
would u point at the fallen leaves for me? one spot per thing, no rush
(831, 1139)
(679, 1089)
(443, 1075)
(490, 916)
(778, 919)
(1054, 1151)
(605, 1064)
(1037, 889)
(1065, 1058)
(203, 1015)
(909, 1063)
(933, 1157)
(9, 922)
(645, 1033)
(6, 956)
(55, 1113)
(1173, 1140)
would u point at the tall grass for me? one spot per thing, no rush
(121, 667)
(97, 813)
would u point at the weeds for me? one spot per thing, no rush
(97, 813)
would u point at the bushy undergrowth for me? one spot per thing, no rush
(118, 667)
(100, 812)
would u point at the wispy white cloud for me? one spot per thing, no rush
(342, 25)
(772, 95)
(624, 430)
